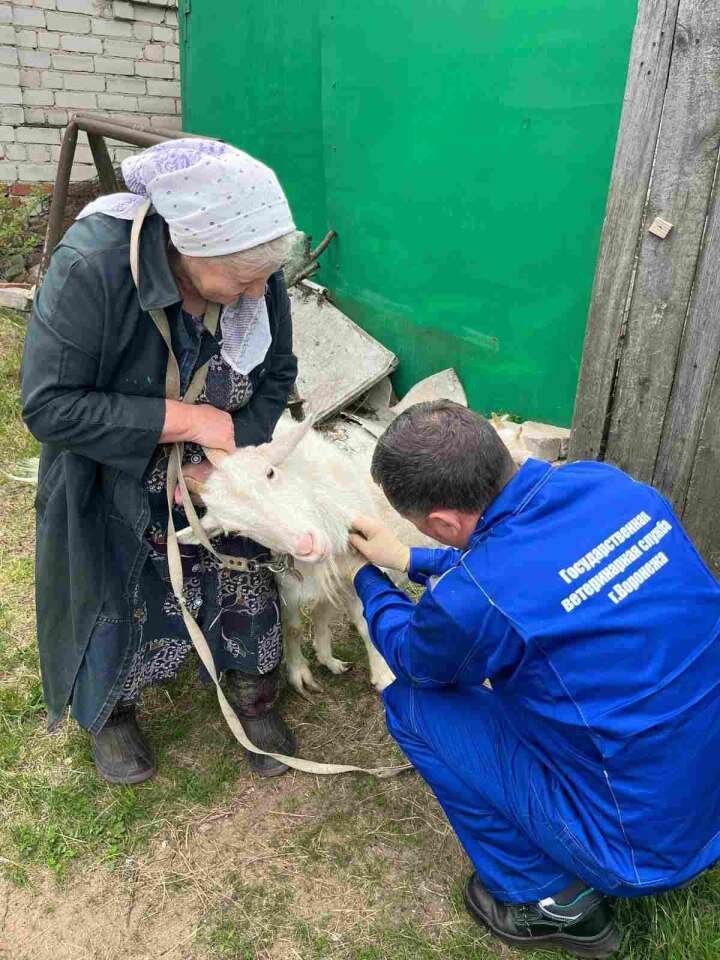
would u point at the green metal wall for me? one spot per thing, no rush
(461, 149)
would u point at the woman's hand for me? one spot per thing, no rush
(198, 423)
(195, 476)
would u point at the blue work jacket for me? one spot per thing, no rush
(587, 606)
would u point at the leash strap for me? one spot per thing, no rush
(175, 477)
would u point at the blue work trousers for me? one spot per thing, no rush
(496, 793)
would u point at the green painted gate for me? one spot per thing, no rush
(462, 150)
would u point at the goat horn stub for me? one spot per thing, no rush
(215, 457)
(280, 449)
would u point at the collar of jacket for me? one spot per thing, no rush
(513, 497)
(157, 287)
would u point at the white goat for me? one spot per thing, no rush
(298, 495)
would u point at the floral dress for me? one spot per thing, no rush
(238, 612)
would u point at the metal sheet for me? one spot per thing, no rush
(338, 362)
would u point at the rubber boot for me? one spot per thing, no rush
(254, 697)
(121, 752)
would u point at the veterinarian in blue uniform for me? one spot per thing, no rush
(591, 765)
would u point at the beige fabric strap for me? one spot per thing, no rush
(174, 478)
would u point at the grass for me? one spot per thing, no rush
(347, 868)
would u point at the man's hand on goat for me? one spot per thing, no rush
(195, 476)
(379, 545)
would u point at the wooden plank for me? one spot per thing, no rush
(681, 184)
(702, 516)
(647, 78)
(699, 352)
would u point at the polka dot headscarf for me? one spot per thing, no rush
(215, 198)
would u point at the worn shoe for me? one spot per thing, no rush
(269, 732)
(584, 926)
(121, 752)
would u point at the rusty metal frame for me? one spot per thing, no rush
(97, 127)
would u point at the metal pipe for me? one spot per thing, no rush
(106, 128)
(105, 169)
(59, 196)
(164, 132)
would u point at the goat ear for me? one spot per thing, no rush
(281, 448)
(215, 457)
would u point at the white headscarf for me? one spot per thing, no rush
(216, 200)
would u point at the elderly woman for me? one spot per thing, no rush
(93, 384)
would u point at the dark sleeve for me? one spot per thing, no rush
(254, 423)
(63, 348)
(448, 636)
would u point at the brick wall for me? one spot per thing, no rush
(59, 56)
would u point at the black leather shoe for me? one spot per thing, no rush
(584, 927)
(269, 732)
(121, 752)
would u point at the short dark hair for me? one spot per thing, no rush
(440, 455)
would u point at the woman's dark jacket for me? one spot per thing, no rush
(92, 387)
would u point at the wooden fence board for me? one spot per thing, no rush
(680, 189)
(699, 352)
(702, 512)
(644, 94)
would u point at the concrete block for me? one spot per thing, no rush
(82, 171)
(56, 118)
(157, 105)
(7, 34)
(26, 38)
(122, 48)
(172, 53)
(37, 59)
(30, 79)
(76, 100)
(117, 101)
(28, 17)
(81, 44)
(171, 18)
(83, 154)
(37, 135)
(85, 81)
(114, 65)
(155, 52)
(15, 296)
(6, 14)
(111, 28)
(123, 10)
(38, 153)
(52, 79)
(145, 69)
(163, 34)
(121, 153)
(68, 22)
(48, 41)
(545, 441)
(38, 98)
(45, 4)
(16, 151)
(7, 134)
(78, 6)
(33, 116)
(149, 14)
(142, 31)
(163, 88)
(73, 61)
(133, 85)
(8, 55)
(9, 77)
(11, 115)
(42, 172)
(10, 95)
(8, 174)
